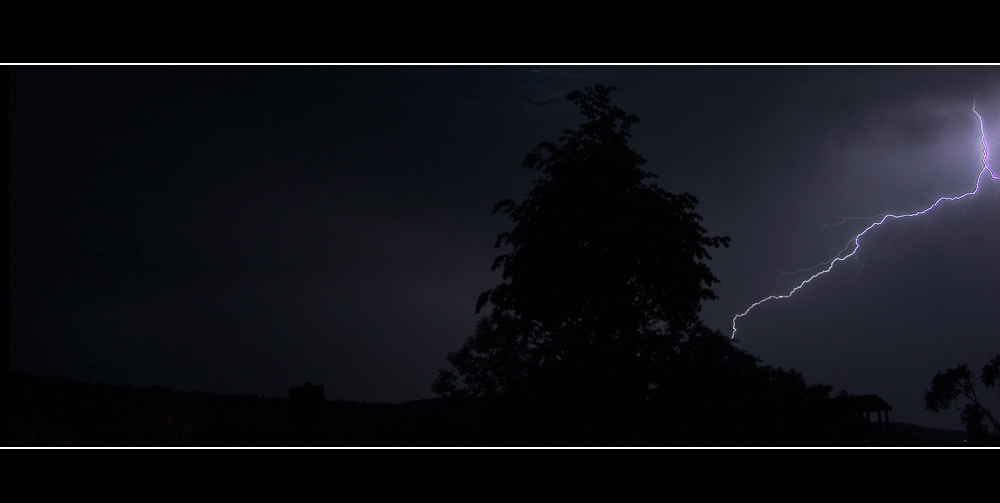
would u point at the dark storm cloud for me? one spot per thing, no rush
(243, 229)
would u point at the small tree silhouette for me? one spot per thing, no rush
(952, 384)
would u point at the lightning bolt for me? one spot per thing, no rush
(857, 239)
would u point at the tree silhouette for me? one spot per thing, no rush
(960, 382)
(604, 278)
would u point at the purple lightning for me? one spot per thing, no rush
(857, 239)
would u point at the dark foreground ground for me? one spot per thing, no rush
(53, 411)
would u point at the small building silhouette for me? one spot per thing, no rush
(859, 409)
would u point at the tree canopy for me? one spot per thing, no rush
(951, 385)
(605, 271)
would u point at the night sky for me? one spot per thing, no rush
(243, 229)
